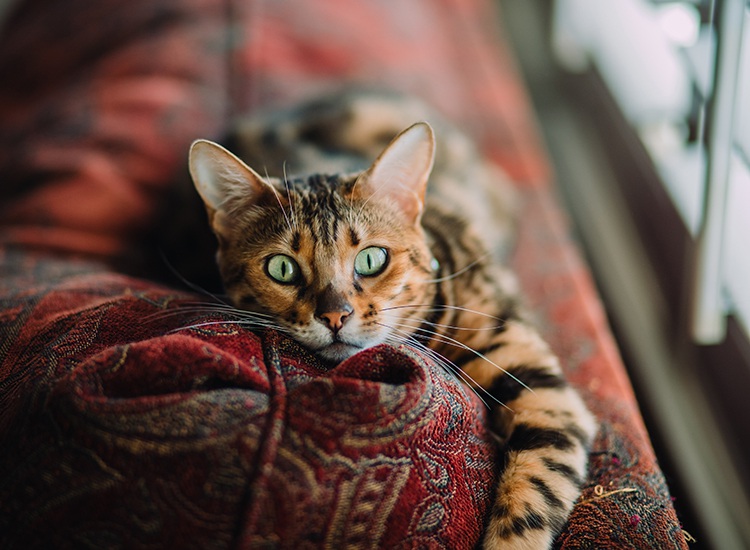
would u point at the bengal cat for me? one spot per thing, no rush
(342, 255)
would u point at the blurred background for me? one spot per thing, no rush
(645, 109)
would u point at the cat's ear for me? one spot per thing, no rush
(221, 179)
(400, 173)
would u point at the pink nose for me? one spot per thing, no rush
(333, 309)
(334, 319)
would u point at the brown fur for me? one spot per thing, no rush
(443, 290)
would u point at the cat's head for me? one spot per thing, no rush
(339, 262)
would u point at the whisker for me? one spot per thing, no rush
(182, 312)
(449, 367)
(464, 378)
(288, 188)
(452, 368)
(229, 322)
(415, 344)
(160, 315)
(452, 341)
(202, 306)
(460, 271)
(432, 307)
(278, 199)
(225, 308)
(189, 284)
(208, 309)
(419, 322)
(351, 198)
(212, 306)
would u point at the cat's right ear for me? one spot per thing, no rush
(400, 173)
(221, 179)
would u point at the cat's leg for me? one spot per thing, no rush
(547, 431)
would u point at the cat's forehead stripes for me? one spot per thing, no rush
(353, 236)
(317, 204)
(296, 240)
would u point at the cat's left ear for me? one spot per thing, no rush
(400, 173)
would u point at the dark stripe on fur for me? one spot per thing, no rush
(415, 258)
(563, 469)
(442, 252)
(468, 356)
(578, 433)
(526, 437)
(549, 495)
(353, 237)
(423, 333)
(530, 520)
(506, 389)
(335, 230)
(296, 241)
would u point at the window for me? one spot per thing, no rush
(680, 72)
(660, 95)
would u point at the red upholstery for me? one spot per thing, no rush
(121, 427)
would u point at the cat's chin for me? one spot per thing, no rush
(337, 352)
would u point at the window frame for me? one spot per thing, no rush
(696, 385)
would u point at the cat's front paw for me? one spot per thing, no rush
(526, 532)
(534, 499)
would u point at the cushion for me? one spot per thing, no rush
(133, 418)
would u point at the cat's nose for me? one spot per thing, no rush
(334, 320)
(333, 309)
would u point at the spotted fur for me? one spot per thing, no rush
(443, 288)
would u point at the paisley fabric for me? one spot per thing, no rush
(130, 418)
(122, 429)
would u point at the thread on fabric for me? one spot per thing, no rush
(600, 493)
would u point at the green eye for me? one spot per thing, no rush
(370, 261)
(282, 269)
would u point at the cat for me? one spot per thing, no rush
(343, 253)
